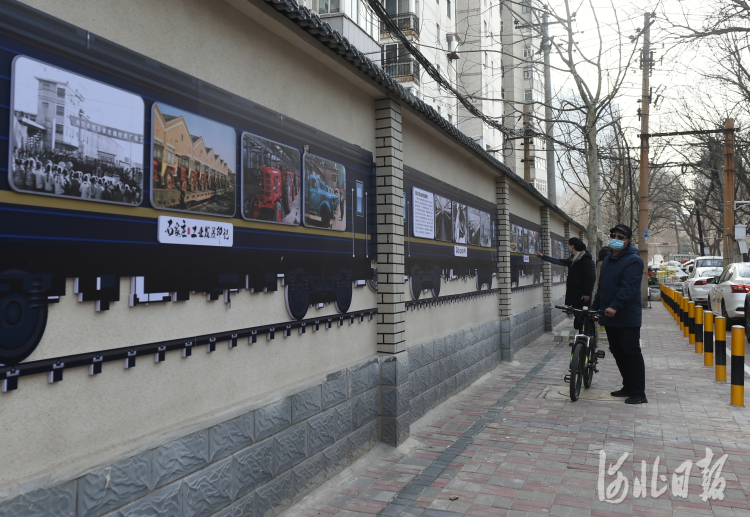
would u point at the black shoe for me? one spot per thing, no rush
(620, 393)
(636, 400)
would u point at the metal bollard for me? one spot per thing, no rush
(708, 338)
(738, 366)
(698, 335)
(720, 342)
(690, 333)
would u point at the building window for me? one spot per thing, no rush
(449, 9)
(528, 95)
(486, 32)
(502, 25)
(45, 105)
(486, 60)
(450, 118)
(61, 92)
(59, 129)
(502, 93)
(61, 110)
(527, 73)
(526, 7)
(528, 51)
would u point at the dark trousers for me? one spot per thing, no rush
(624, 343)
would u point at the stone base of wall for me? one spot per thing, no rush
(558, 316)
(439, 368)
(270, 457)
(526, 326)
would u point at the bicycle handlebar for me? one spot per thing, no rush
(584, 312)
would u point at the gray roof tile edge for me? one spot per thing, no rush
(313, 25)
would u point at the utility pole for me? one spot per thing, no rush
(728, 190)
(526, 144)
(646, 64)
(546, 46)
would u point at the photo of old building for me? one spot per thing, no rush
(193, 162)
(74, 137)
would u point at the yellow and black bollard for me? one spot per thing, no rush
(708, 338)
(684, 303)
(672, 303)
(680, 315)
(720, 348)
(690, 333)
(738, 366)
(698, 329)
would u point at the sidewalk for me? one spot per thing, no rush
(513, 444)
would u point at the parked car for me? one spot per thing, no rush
(697, 285)
(728, 293)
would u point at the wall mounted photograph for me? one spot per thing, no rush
(325, 193)
(443, 219)
(485, 231)
(271, 181)
(460, 224)
(194, 162)
(474, 226)
(73, 137)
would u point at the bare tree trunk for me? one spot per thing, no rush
(592, 169)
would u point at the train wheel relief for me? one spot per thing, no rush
(297, 299)
(344, 293)
(23, 316)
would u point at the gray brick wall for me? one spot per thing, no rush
(272, 456)
(526, 326)
(263, 459)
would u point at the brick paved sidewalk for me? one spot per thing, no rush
(514, 445)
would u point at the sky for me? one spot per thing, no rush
(217, 136)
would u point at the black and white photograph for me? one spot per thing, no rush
(460, 224)
(271, 181)
(443, 219)
(532, 242)
(325, 193)
(485, 235)
(73, 137)
(194, 162)
(474, 226)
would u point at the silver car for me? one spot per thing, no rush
(698, 284)
(727, 296)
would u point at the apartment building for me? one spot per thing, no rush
(523, 85)
(479, 23)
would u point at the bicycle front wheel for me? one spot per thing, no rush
(577, 369)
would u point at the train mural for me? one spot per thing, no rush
(81, 131)
(526, 269)
(450, 233)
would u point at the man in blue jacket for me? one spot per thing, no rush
(620, 294)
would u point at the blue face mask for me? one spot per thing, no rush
(616, 245)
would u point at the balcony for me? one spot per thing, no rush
(408, 23)
(403, 70)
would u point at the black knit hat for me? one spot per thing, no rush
(577, 244)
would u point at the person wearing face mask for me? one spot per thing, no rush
(619, 293)
(581, 275)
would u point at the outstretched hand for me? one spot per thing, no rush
(540, 255)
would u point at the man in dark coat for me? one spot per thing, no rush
(581, 275)
(620, 294)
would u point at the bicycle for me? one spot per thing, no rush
(584, 355)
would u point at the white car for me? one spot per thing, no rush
(698, 285)
(727, 296)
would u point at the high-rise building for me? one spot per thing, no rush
(479, 68)
(523, 83)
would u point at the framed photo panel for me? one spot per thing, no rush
(324, 202)
(73, 137)
(460, 224)
(443, 219)
(271, 181)
(193, 163)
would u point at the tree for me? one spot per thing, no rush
(598, 77)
